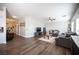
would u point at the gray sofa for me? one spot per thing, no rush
(64, 42)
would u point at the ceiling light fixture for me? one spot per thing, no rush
(51, 19)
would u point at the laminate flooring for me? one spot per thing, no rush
(31, 46)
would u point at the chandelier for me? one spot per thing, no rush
(51, 19)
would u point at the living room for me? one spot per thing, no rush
(32, 28)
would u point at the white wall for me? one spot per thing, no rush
(62, 26)
(3, 24)
(31, 24)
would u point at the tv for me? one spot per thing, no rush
(38, 29)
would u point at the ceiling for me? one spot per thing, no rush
(41, 11)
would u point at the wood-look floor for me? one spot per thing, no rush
(31, 46)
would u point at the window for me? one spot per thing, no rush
(77, 26)
(72, 26)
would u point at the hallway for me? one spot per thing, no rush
(31, 46)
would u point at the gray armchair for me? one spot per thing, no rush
(54, 33)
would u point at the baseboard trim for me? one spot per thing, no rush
(30, 36)
(3, 43)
